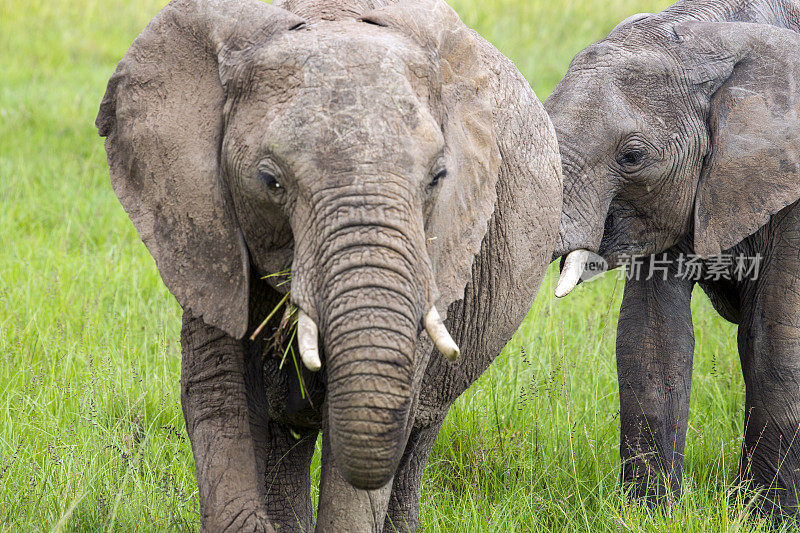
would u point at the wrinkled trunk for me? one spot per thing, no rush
(372, 283)
(371, 333)
(586, 202)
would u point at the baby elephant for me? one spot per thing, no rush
(405, 173)
(680, 140)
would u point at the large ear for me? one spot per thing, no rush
(162, 116)
(466, 201)
(633, 19)
(753, 170)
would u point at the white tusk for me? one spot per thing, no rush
(440, 336)
(572, 272)
(307, 341)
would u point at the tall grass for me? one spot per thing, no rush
(91, 432)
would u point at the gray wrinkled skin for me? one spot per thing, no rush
(247, 138)
(680, 133)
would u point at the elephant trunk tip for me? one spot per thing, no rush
(368, 460)
(369, 467)
(372, 480)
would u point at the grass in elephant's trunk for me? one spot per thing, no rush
(282, 339)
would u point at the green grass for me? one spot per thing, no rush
(91, 431)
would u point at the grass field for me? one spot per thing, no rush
(91, 432)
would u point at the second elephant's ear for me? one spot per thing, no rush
(753, 170)
(467, 197)
(162, 115)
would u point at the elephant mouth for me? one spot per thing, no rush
(613, 246)
(581, 263)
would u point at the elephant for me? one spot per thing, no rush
(404, 173)
(680, 143)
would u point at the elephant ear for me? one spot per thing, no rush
(753, 170)
(630, 21)
(466, 200)
(162, 115)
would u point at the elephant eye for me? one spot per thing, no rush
(631, 158)
(437, 177)
(270, 180)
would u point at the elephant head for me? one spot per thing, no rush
(676, 130)
(360, 152)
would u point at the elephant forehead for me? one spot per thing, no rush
(360, 128)
(344, 116)
(638, 59)
(344, 54)
(583, 100)
(616, 91)
(642, 73)
(345, 94)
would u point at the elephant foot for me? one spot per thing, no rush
(762, 502)
(247, 520)
(778, 504)
(769, 468)
(652, 488)
(647, 483)
(652, 495)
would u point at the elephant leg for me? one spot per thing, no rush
(655, 346)
(283, 462)
(769, 346)
(403, 512)
(215, 406)
(342, 507)
(288, 479)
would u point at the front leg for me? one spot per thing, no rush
(769, 347)
(214, 401)
(282, 461)
(403, 512)
(288, 478)
(655, 346)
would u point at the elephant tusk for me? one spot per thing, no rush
(440, 336)
(307, 341)
(572, 272)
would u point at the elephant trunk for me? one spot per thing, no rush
(372, 291)
(586, 204)
(370, 371)
(583, 219)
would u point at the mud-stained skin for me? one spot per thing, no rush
(394, 161)
(680, 134)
